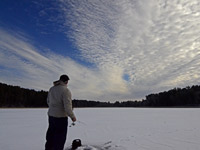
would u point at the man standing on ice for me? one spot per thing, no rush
(60, 108)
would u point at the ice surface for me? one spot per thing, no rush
(106, 128)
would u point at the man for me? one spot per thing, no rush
(60, 108)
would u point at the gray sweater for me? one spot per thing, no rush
(59, 101)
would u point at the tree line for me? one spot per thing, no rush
(15, 96)
(189, 96)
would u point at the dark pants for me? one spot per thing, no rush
(56, 133)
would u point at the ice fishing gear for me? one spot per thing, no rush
(72, 124)
(76, 143)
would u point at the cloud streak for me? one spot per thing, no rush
(23, 64)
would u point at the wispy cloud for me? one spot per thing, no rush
(23, 64)
(155, 42)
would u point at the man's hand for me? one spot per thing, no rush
(74, 119)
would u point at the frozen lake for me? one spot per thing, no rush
(107, 128)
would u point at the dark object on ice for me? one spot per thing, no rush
(76, 143)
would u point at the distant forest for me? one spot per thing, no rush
(15, 96)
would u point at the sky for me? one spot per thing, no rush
(112, 50)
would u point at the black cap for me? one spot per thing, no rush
(64, 78)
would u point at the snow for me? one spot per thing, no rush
(106, 129)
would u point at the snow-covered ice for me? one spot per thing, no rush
(106, 128)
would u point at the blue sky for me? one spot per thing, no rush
(112, 50)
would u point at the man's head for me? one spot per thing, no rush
(64, 78)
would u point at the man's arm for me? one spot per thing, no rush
(67, 101)
(48, 99)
